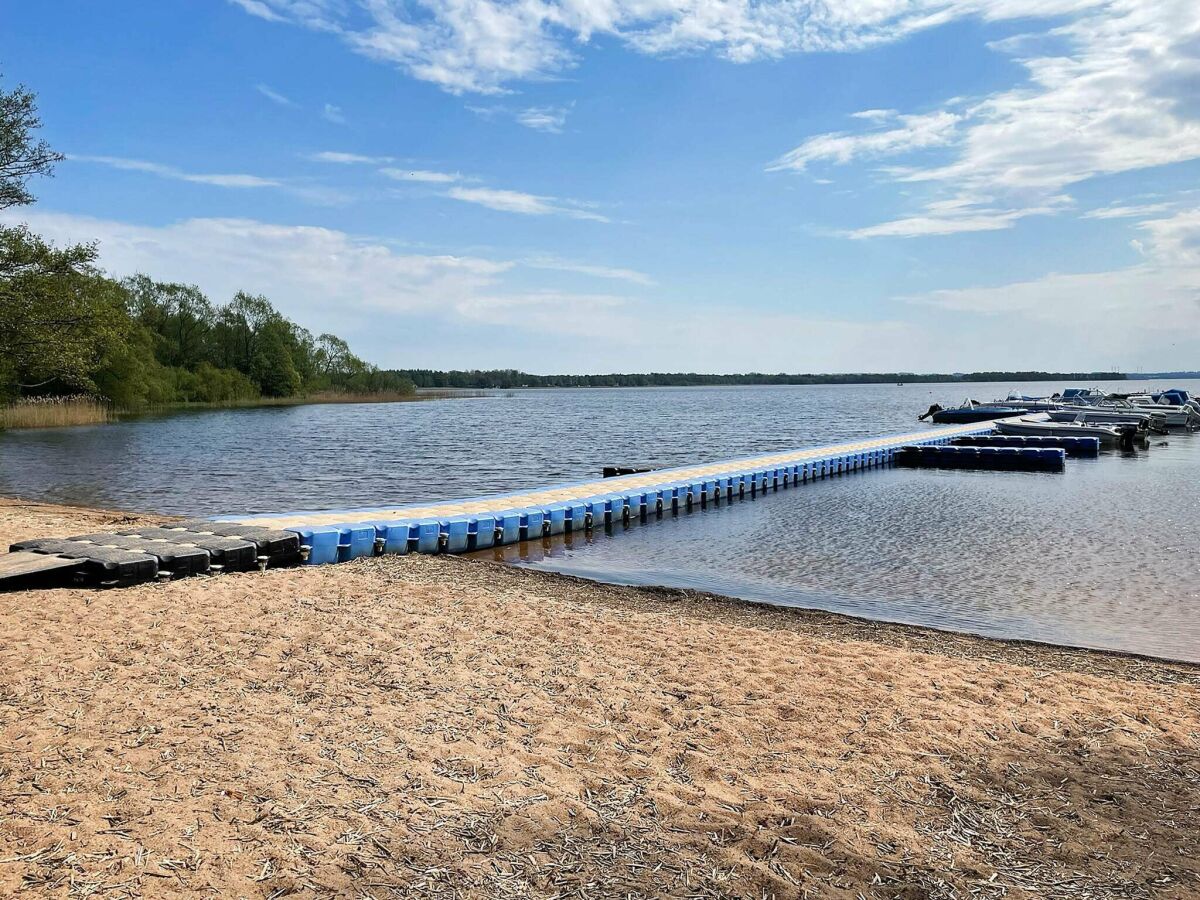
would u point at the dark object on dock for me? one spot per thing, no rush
(617, 471)
(970, 411)
(93, 562)
(1005, 459)
(1074, 446)
(228, 554)
(140, 554)
(278, 546)
(176, 559)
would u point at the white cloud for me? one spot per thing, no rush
(1114, 89)
(318, 273)
(421, 175)
(875, 115)
(481, 45)
(956, 216)
(310, 193)
(1143, 314)
(553, 312)
(334, 156)
(274, 96)
(163, 171)
(914, 133)
(259, 9)
(333, 114)
(614, 272)
(525, 204)
(445, 311)
(1134, 211)
(543, 118)
(550, 119)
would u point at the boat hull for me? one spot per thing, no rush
(966, 415)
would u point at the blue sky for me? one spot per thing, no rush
(609, 185)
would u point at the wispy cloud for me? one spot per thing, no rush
(332, 280)
(1142, 311)
(1116, 93)
(550, 119)
(321, 271)
(334, 156)
(524, 204)
(274, 96)
(317, 194)
(611, 272)
(482, 46)
(164, 171)
(1119, 211)
(259, 9)
(334, 114)
(422, 175)
(912, 133)
(959, 215)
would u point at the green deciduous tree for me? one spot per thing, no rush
(272, 366)
(21, 156)
(64, 326)
(59, 318)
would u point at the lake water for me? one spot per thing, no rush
(1103, 555)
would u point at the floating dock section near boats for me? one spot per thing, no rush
(1002, 459)
(240, 542)
(1073, 446)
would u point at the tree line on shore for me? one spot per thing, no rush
(68, 328)
(511, 378)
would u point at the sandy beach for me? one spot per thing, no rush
(440, 727)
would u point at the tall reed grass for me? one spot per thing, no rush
(54, 412)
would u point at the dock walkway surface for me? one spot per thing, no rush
(458, 526)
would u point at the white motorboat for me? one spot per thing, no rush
(1030, 404)
(1042, 426)
(1186, 416)
(1111, 415)
(1179, 408)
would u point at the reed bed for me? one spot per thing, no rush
(82, 409)
(55, 412)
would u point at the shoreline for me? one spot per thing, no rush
(434, 725)
(45, 518)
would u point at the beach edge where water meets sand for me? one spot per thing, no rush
(431, 726)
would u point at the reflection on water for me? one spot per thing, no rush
(1103, 555)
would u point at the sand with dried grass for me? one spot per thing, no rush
(412, 727)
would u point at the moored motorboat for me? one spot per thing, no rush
(1145, 421)
(1029, 404)
(1109, 435)
(970, 411)
(1186, 416)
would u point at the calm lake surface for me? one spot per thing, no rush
(1104, 555)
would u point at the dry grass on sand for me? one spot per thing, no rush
(440, 727)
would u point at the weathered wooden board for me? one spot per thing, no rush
(17, 565)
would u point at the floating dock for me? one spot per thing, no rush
(1074, 446)
(240, 542)
(1000, 459)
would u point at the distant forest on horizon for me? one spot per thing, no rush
(512, 378)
